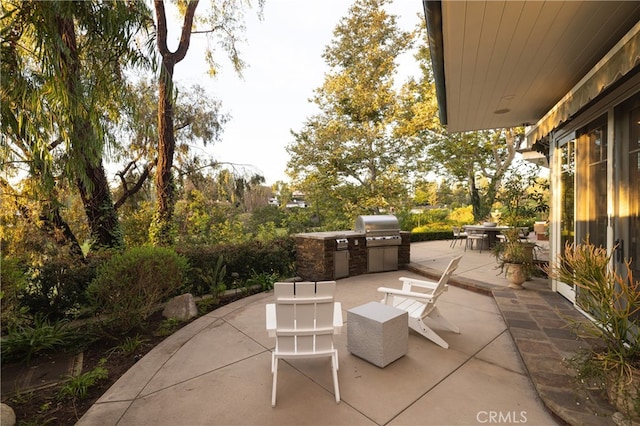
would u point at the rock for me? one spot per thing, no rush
(7, 416)
(181, 307)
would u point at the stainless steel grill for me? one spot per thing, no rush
(382, 234)
(379, 230)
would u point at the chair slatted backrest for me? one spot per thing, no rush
(442, 282)
(304, 316)
(451, 268)
(444, 279)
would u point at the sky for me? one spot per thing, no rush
(283, 52)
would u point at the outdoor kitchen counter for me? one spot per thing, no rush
(330, 234)
(330, 255)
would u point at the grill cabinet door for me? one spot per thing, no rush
(382, 259)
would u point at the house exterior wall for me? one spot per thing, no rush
(605, 204)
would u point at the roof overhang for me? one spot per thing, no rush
(621, 61)
(509, 63)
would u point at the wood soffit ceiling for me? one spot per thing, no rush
(506, 63)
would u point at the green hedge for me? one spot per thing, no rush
(243, 260)
(431, 236)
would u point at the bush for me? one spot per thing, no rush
(128, 287)
(243, 261)
(57, 288)
(264, 215)
(437, 235)
(210, 280)
(12, 281)
(25, 340)
(410, 221)
(462, 215)
(77, 387)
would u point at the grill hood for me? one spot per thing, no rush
(377, 225)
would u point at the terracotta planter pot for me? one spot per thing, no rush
(515, 274)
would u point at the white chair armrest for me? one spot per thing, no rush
(271, 319)
(418, 283)
(337, 317)
(402, 293)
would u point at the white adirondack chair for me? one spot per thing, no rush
(304, 319)
(418, 298)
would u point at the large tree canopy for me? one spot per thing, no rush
(68, 109)
(347, 159)
(479, 159)
(61, 63)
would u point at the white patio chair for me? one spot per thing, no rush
(304, 319)
(418, 298)
(458, 235)
(475, 236)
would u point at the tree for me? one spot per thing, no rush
(66, 61)
(225, 21)
(426, 193)
(347, 159)
(197, 119)
(523, 196)
(480, 159)
(468, 157)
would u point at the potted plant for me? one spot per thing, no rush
(515, 257)
(522, 197)
(612, 299)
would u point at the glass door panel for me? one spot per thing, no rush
(633, 203)
(567, 207)
(591, 183)
(590, 193)
(627, 182)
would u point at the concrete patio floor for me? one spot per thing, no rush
(216, 370)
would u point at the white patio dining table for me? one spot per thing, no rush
(491, 231)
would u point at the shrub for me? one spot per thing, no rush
(243, 260)
(264, 215)
(462, 215)
(129, 346)
(264, 280)
(128, 287)
(612, 298)
(57, 288)
(77, 387)
(211, 280)
(431, 235)
(410, 221)
(12, 281)
(25, 340)
(169, 326)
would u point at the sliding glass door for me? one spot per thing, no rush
(583, 191)
(566, 204)
(627, 183)
(598, 176)
(591, 183)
